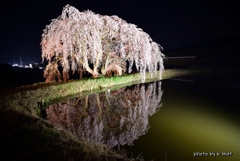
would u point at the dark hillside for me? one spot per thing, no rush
(222, 47)
(219, 52)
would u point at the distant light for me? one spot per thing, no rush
(15, 65)
(30, 65)
(40, 67)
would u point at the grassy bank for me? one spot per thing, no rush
(29, 137)
(28, 98)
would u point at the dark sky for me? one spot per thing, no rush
(171, 23)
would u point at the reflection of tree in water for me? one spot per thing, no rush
(113, 118)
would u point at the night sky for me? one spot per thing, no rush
(171, 23)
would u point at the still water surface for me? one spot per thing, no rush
(169, 120)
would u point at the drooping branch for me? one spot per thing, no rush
(51, 73)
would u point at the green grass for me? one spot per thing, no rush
(26, 98)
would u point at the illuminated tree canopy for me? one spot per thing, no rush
(85, 41)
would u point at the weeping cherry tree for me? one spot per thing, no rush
(85, 41)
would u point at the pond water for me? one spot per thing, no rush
(167, 120)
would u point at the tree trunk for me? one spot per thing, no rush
(86, 65)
